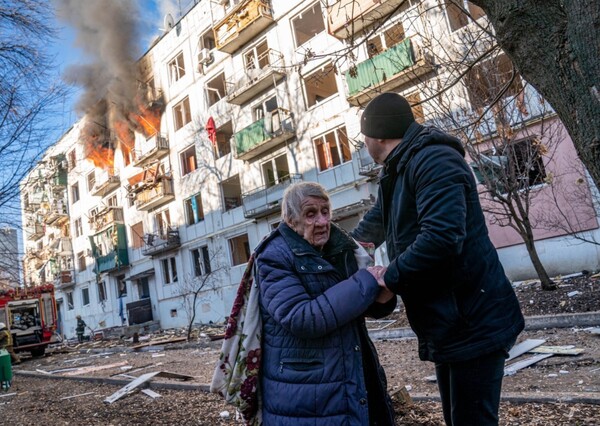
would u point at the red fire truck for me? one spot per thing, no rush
(30, 315)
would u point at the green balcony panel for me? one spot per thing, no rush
(60, 177)
(251, 136)
(113, 242)
(380, 67)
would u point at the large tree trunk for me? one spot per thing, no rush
(555, 45)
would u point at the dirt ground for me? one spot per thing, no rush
(549, 392)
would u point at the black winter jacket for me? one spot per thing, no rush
(457, 297)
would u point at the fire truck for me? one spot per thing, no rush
(30, 315)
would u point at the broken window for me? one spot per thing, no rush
(188, 160)
(240, 249)
(308, 24)
(81, 264)
(257, 57)
(215, 89)
(176, 68)
(414, 100)
(70, 305)
(91, 180)
(77, 227)
(137, 235)
(320, 85)
(101, 292)
(232, 193)
(169, 269)
(207, 40)
(458, 12)
(74, 192)
(194, 212)
(386, 39)
(121, 286)
(333, 149)
(275, 171)
(85, 296)
(182, 114)
(223, 144)
(162, 223)
(201, 261)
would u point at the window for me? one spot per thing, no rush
(320, 85)
(74, 192)
(91, 181)
(162, 222)
(232, 193)
(224, 135)
(137, 235)
(85, 296)
(70, 305)
(257, 57)
(111, 201)
(275, 171)
(182, 114)
(414, 100)
(332, 149)
(143, 288)
(77, 228)
(518, 165)
(169, 269)
(485, 81)
(458, 13)
(101, 292)
(121, 286)
(188, 160)
(215, 89)
(264, 109)
(240, 249)
(194, 212)
(386, 39)
(81, 264)
(201, 261)
(72, 159)
(176, 68)
(207, 40)
(308, 24)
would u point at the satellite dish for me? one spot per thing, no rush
(169, 22)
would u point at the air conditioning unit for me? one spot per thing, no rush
(205, 57)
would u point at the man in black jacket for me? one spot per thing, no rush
(442, 263)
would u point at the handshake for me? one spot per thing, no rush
(385, 295)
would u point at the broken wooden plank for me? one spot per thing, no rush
(515, 366)
(78, 395)
(130, 386)
(159, 342)
(94, 368)
(558, 350)
(168, 375)
(7, 394)
(151, 393)
(523, 347)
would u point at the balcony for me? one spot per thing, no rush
(242, 24)
(154, 148)
(250, 82)
(106, 217)
(347, 18)
(149, 196)
(160, 242)
(398, 65)
(264, 134)
(109, 249)
(57, 214)
(64, 279)
(265, 200)
(106, 187)
(366, 165)
(59, 178)
(37, 231)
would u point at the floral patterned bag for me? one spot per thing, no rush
(236, 376)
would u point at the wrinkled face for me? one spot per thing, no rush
(314, 223)
(375, 148)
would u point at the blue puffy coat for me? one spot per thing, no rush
(319, 366)
(442, 263)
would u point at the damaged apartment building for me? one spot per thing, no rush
(241, 99)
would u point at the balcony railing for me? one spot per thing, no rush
(160, 243)
(264, 134)
(347, 18)
(154, 195)
(366, 165)
(109, 248)
(154, 148)
(37, 231)
(266, 200)
(242, 24)
(398, 65)
(250, 82)
(106, 187)
(106, 217)
(57, 213)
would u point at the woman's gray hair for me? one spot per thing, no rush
(291, 206)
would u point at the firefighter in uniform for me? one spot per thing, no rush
(6, 342)
(80, 328)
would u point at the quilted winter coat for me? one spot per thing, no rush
(442, 263)
(319, 366)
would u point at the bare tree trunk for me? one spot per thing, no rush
(547, 283)
(192, 316)
(555, 45)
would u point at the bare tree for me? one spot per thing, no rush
(208, 270)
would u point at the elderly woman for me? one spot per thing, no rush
(319, 366)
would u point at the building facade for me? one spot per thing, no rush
(243, 98)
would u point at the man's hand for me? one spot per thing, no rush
(385, 296)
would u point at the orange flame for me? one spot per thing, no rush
(125, 137)
(148, 119)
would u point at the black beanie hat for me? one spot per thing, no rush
(386, 117)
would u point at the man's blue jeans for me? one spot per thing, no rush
(470, 390)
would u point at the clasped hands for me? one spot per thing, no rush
(385, 294)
